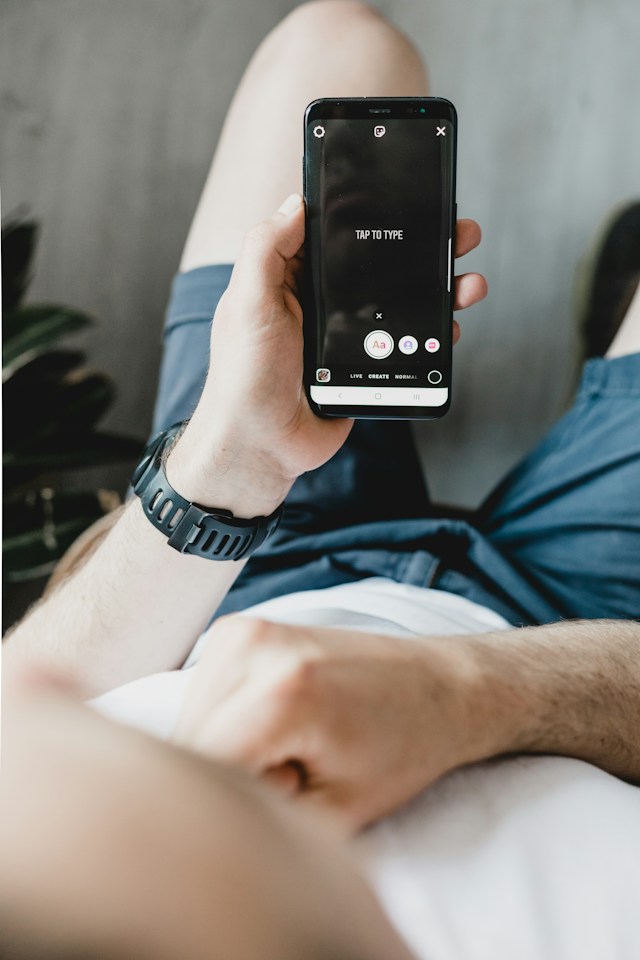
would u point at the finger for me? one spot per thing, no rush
(470, 288)
(468, 236)
(289, 778)
(456, 332)
(254, 729)
(269, 248)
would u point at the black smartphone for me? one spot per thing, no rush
(379, 190)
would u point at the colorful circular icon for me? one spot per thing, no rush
(432, 345)
(407, 344)
(378, 344)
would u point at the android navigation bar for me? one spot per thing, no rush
(380, 396)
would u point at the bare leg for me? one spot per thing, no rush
(326, 48)
(117, 845)
(627, 339)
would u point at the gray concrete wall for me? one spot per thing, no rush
(110, 110)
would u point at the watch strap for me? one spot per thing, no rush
(191, 528)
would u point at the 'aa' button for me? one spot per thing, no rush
(378, 344)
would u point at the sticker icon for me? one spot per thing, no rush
(379, 131)
(407, 344)
(432, 345)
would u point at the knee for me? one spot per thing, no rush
(328, 15)
(327, 26)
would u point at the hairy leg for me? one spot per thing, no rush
(326, 48)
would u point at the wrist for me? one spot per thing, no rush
(495, 706)
(508, 709)
(214, 471)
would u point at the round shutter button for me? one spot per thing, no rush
(434, 376)
(378, 344)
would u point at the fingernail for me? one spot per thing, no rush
(290, 205)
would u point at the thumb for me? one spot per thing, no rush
(269, 246)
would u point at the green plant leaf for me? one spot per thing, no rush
(19, 238)
(32, 398)
(72, 404)
(40, 527)
(46, 366)
(30, 330)
(87, 396)
(67, 451)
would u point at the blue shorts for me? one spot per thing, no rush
(559, 538)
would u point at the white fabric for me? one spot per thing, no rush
(524, 858)
(378, 605)
(531, 858)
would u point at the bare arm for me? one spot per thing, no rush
(133, 606)
(569, 688)
(372, 720)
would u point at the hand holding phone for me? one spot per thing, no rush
(380, 242)
(253, 431)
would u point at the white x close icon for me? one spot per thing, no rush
(440, 132)
(378, 316)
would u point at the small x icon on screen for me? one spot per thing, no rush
(440, 132)
(378, 316)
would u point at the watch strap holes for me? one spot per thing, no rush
(236, 542)
(208, 542)
(243, 543)
(223, 541)
(164, 510)
(175, 519)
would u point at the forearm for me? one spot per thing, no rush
(135, 606)
(569, 688)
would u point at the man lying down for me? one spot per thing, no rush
(386, 653)
(349, 699)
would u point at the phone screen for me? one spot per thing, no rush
(379, 190)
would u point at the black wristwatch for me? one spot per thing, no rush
(190, 528)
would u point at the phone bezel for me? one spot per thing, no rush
(366, 108)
